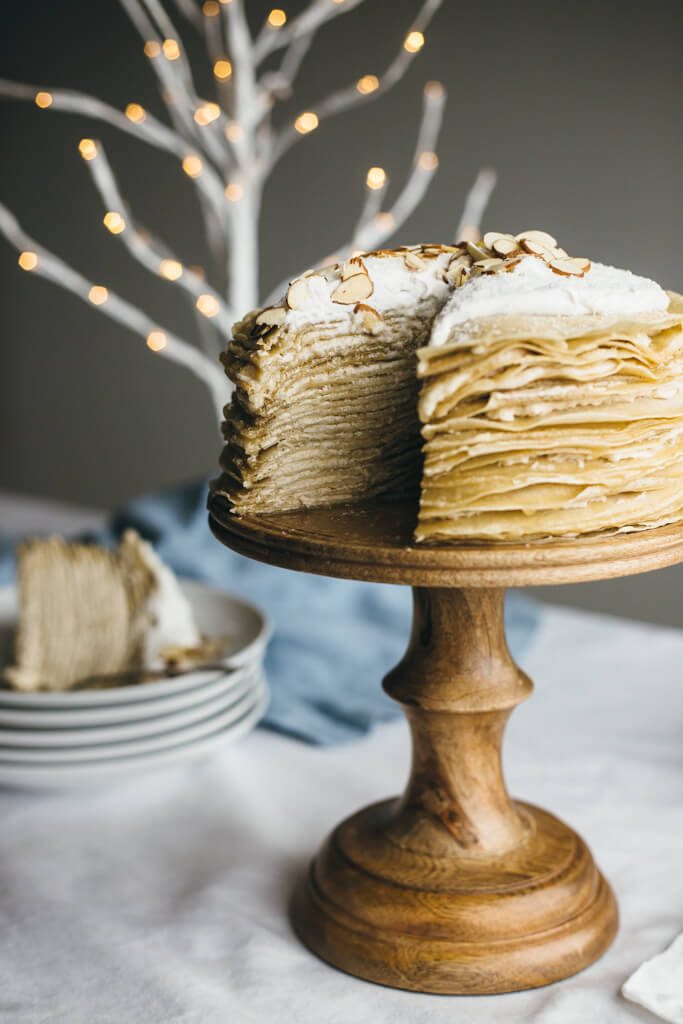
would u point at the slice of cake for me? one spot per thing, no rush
(549, 392)
(86, 611)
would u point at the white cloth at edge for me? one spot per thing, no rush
(658, 983)
(164, 901)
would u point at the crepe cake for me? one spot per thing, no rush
(518, 393)
(86, 611)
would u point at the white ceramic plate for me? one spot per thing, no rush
(18, 776)
(217, 614)
(90, 736)
(55, 756)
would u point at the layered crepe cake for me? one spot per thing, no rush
(518, 393)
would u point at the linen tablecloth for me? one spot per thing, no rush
(164, 901)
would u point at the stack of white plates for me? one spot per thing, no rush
(55, 740)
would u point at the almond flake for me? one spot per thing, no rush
(297, 293)
(353, 289)
(487, 266)
(371, 319)
(478, 251)
(413, 261)
(542, 237)
(506, 245)
(569, 267)
(583, 262)
(531, 245)
(351, 267)
(273, 316)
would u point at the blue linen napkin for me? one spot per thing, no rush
(333, 639)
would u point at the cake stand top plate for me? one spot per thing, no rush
(373, 541)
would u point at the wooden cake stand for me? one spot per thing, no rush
(452, 887)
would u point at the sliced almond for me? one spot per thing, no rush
(370, 318)
(413, 261)
(536, 248)
(542, 237)
(478, 250)
(583, 262)
(569, 267)
(273, 316)
(353, 289)
(506, 245)
(491, 237)
(353, 266)
(560, 252)
(297, 293)
(488, 266)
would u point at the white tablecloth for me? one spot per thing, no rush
(164, 901)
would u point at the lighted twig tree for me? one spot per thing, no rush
(229, 146)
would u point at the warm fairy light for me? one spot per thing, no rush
(207, 113)
(43, 100)
(434, 90)
(88, 149)
(367, 84)
(376, 178)
(98, 294)
(28, 260)
(222, 69)
(171, 49)
(210, 8)
(170, 269)
(156, 340)
(207, 304)
(234, 191)
(428, 161)
(136, 113)
(233, 132)
(306, 122)
(152, 48)
(114, 222)
(385, 221)
(277, 18)
(192, 165)
(413, 42)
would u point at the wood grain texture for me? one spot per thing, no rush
(453, 887)
(373, 541)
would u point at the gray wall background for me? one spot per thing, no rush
(577, 105)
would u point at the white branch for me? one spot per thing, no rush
(469, 227)
(139, 242)
(52, 268)
(349, 96)
(316, 14)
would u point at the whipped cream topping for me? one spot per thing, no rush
(171, 619)
(395, 286)
(532, 288)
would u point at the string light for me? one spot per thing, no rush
(234, 191)
(156, 340)
(98, 294)
(43, 100)
(207, 304)
(135, 113)
(152, 48)
(277, 18)
(171, 49)
(114, 222)
(428, 161)
(28, 260)
(414, 41)
(376, 178)
(192, 165)
(222, 69)
(207, 113)
(233, 132)
(367, 84)
(170, 269)
(88, 149)
(434, 90)
(306, 122)
(210, 8)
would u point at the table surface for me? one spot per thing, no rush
(164, 900)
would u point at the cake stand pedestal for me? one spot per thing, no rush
(452, 887)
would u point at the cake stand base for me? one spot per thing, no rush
(453, 887)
